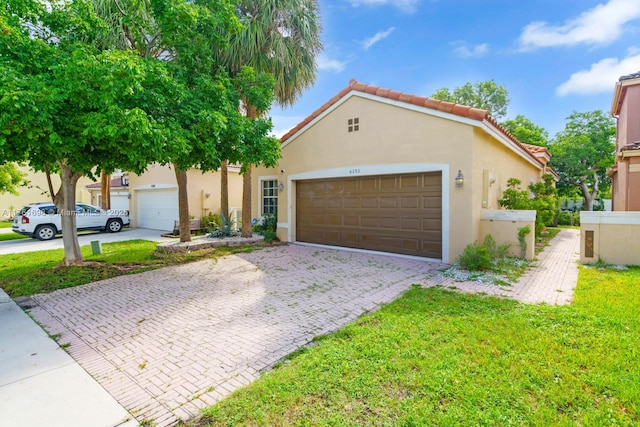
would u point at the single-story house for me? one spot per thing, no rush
(625, 173)
(154, 196)
(119, 190)
(380, 170)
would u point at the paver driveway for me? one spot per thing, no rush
(168, 342)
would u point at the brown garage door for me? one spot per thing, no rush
(390, 213)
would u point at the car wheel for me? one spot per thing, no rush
(113, 225)
(45, 232)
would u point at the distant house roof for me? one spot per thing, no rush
(632, 146)
(420, 101)
(630, 76)
(620, 90)
(118, 182)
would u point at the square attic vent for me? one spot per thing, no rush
(353, 125)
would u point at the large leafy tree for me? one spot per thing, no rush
(583, 152)
(487, 95)
(65, 106)
(205, 119)
(280, 37)
(526, 131)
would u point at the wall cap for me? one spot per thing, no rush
(606, 217)
(507, 215)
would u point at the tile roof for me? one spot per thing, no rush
(115, 183)
(630, 76)
(421, 101)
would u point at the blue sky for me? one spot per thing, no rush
(553, 56)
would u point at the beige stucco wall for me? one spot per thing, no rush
(393, 139)
(10, 204)
(203, 190)
(503, 226)
(615, 237)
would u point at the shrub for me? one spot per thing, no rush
(270, 236)
(225, 229)
(475, 257)
(569, 218)
(211, 221)
(495, 251)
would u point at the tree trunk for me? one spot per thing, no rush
(183, 205)
(247, 228)
(66, 204)
(105, 190)
(52, 193)
(589, 196)
(224, 189)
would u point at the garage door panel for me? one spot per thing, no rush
(400, 213)
(157, 209)
(409, 202)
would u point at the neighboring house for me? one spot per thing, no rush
(154, 196)
(625, 173)
(38, 191)
(119, 189)
(381, 170)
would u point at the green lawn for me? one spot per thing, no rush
(439, 358)
(11, 236)
(34, 272)
(5, 224)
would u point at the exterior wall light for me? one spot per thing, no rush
(459, 179)
(281, 186)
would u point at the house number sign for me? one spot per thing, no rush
(354, 171)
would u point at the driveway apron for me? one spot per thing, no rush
(169, 342)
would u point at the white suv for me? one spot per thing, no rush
(41, 220)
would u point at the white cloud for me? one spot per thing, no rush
(380, 35)
(408, 6)
(465, 51)
(602, 75)
(326, 63)
(598, 26)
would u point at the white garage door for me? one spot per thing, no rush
(157, 209)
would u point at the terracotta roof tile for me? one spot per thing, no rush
(115, 183)
(434, 104)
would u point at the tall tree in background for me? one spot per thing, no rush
(486, 95)
(526, 131)
(280, 37)
(583, 152)
(11, 178)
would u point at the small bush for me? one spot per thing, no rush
(225, 229)
(569, 218)
(495, 251)
(270, 236)
(475, 257)
(211, 221)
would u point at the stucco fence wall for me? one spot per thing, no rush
(503, 226)
(611, 237)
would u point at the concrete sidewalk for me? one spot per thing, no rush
(41, 385)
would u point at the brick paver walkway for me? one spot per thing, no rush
(169, 342)
(552, 278)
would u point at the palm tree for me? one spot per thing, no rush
(282, 38)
